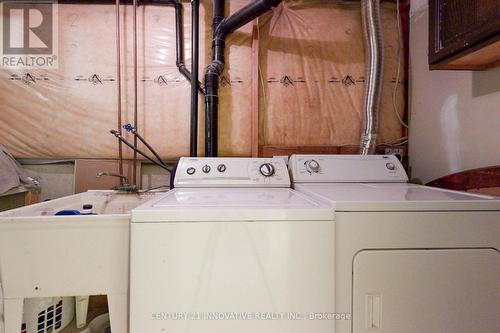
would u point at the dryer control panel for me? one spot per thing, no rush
(231, 172)
(346, 169)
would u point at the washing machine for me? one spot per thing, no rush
(232, 249)
(409, 258)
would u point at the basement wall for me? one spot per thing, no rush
(310, 87)
(454, 115)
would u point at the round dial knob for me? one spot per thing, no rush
(206, 168)
(312, 166)
(267, 169)
(221, 168)
(190, 171)
(390, 166)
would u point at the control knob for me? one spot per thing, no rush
(221, 168)
(267, 170)
(312, 166)
(206, 168)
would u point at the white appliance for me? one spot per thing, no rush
(232, 249)
(409, 258)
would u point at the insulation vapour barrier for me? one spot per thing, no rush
(311, 64)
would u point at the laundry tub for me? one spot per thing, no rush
(42, 255)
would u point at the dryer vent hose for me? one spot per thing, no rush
(374, 50)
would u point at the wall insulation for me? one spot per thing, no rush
(311, 65)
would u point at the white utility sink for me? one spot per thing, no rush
(104, 203)
(42, 255)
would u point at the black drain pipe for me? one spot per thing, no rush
(191, 76)
(212, 81)
(195, 38)
(179, 36)
(221, 28)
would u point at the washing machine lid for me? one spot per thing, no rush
(397, 197)
(232, 204)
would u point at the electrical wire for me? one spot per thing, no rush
(398, 72)
(397, 142)
(261, 78)
(403, 140)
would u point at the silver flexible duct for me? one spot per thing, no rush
(374, 50)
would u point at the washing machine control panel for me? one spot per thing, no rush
(231, 172)
(346, 169)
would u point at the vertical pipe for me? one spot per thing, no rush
(221, 28)
(219, 11)
(134, 176)
(374, 49)
(211, 114)
(119, 87)
(179, 44)
(179, 37)
(212, 81)
(195, 18)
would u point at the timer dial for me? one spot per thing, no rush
(267, 170)
(312, 166)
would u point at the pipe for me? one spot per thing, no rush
(196, 86)
(134, 41)
(131, 146)
(374, 50)
(133, 130)
(212, 80)
(195, 55)
(119, 84)
(221, 28)
(179, 42)
(179, 37)
(247, 14)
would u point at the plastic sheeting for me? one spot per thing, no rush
(12, 174)
(312, 66)
(313, 71)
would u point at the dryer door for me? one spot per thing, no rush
(415, 291)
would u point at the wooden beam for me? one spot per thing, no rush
(287, 150)
(31, 197)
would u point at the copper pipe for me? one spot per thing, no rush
(134, 176)
(119, 85)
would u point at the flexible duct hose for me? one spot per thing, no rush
(374, 50)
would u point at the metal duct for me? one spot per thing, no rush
(374, 50)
